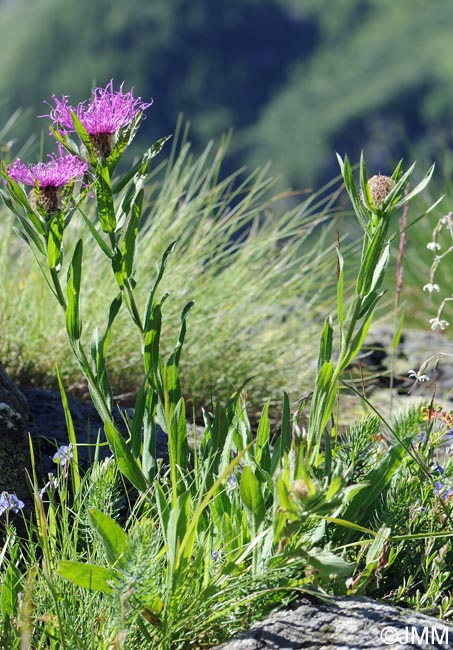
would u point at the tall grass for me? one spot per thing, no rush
(254, 271)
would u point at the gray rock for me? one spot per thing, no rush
(49, 431)
(346, 623)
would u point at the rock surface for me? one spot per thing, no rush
(346, 623)
(14, 445)
(49, 431)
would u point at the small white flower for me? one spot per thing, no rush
(431, 287)
(413, 374)
(437, 323)
(433, 246)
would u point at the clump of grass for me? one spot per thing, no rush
(254, 273)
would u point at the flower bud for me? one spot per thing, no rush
(300, 488)
(380, 187)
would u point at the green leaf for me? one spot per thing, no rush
(151, 347)
(128, 247)
(325, 344)
(173, 384)
(75, 473)
(97, 236)
(262, 455)
(84, 137)
(113, 537)
(152, 294)
(73, 321)
(178, 447)
(378, 479)
(10, 588)
(88, 576)
(327, 563)
(251, 495)
(104, 195)
(141, 168)
(55, 241)
(346, 171)
(417, 189)
(123, 455)
(148, 423)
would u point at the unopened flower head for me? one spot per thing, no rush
(102, 116)
(49, 178)
(380, 187)
(10, 502)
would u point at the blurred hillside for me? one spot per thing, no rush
(295, 79)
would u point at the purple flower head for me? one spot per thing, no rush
(102, 116)
(63, 455)
(61, 170)
(10, 502)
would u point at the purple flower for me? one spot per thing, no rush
(10, 502)
(60, 171)
(440, 490)
(438, 468)
(419, 439)
(63, 455)
(102, 116)
(51, 177)
(232, 482)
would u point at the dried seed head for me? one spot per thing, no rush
(380, 187)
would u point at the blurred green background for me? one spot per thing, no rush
(295, 79)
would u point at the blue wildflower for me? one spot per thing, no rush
(10, 502)
(439, 468)
(440, 490)
(63, 455)
(232, 482)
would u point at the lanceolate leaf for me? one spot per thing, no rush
(104, 196)
(55, 242)
(73, 321)
(88, 576)
(251, 495)
(126, 461)
(113, 537)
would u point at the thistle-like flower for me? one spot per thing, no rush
(102, 116)
(49, 178)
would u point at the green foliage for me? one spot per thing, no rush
(252, 294)
(234, 526)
